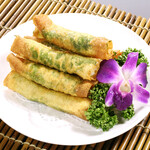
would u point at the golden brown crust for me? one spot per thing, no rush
(19, 47)
(16, 63)
(104, 45)
(40, 40)
(37, 33)
(98, 47)
(84, 88)
(81, 89)
(32, 91)
(39, 22)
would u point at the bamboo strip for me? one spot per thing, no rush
(54, 11)
(34, 5)
(147, 144)
(6, 139)
(144, 32)
(121, 17)
(53, 147)
(107, 11)
(61, 9)
(40, 144)
(4, 131)
(4, 4)
(81, 6)
(1, 125)
(99, 146)
(117, 142)
(68, 147)
(90, 9)
(83, 147)
(17, 16)
(147, 37)
(97, 7)
(71, 147)
(45, 7)
(7, 8)
(69, 6)
(139, 18)
(46, 146)
(86, 6)
(127, 19)
(26, 144)
(126, 139)
(107, 144)
(33, 145)
(48, 11)
(136, 135)
(112, 13)
(142, 23)
(60, 147)
(91, 146)
(37, 10)
(132, 20)
(76, 4)
(101, 11)
(144, 136)
(1, 1)
(10, 13)
(12, 141)
(116, 16)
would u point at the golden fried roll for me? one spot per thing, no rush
(35, 92)
(81, 43)
(46, 43)
(50, 78)
(84, 67)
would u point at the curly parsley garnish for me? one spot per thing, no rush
(98, 114)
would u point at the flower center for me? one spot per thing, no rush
(125, 86)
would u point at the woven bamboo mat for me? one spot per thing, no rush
(15, 12)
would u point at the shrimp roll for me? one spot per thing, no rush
(50, 78)
(35, 92)
(81, 43)
(86, 68)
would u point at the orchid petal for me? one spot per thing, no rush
(130, 64)
(109, 72)
(131, 86)
(122, 102)
(139, 75)
(109, 96)
(141, 94)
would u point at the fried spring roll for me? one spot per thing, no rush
(84, 67)
(50, 78)
(81, 43)
(60, 101)
(46, 43)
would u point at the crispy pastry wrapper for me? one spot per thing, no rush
(86, 68)
(81, 43)
(50, 78)
(35, 92)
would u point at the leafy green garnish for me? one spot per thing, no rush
(98, 114)
(128, 113)
(123, 57)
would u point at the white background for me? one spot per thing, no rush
(135, 7)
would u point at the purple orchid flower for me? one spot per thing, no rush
(128, 81)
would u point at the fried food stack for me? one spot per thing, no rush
(57, 66)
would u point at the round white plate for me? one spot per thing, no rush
(46, 124)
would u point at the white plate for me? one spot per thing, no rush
(46, 124)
